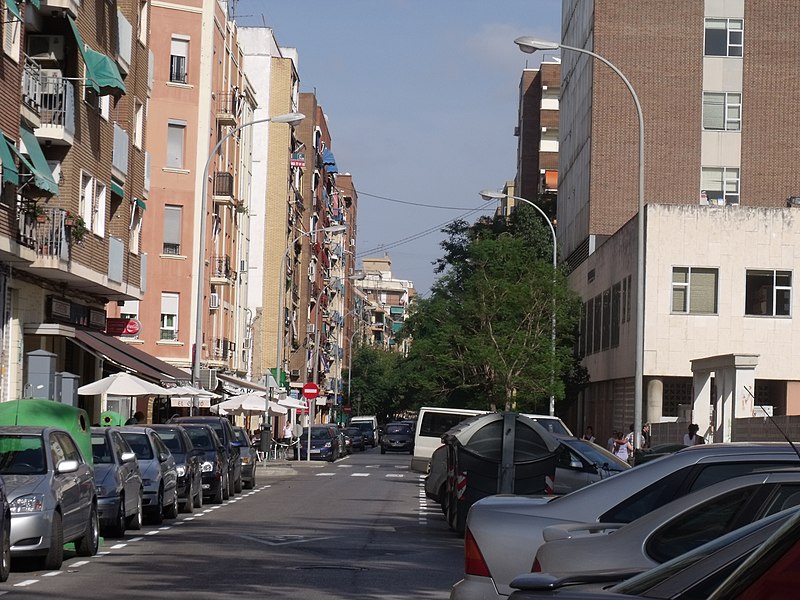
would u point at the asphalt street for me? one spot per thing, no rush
(357, 528)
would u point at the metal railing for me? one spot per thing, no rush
(223, 184)
(45, 232)
(57, 103)
(31, 84)
(221, 267)
(228, 103)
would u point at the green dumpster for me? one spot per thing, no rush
(111, 418)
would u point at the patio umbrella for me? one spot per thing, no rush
(248, 404)
(292, 403)
(123, 384)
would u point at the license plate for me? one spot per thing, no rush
(314, 451)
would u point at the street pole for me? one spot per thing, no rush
(491, 195)
(290, 119)
(530, 45)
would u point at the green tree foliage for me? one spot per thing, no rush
(375, 385)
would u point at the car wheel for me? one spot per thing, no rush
(55, 553)
(238, 487)
(5, 552)
(219, 494)
(171, 511)
(117, 529)
(198, 499)
(226, 488)
(90, 542)
(188, 506)
(157, 516)
(136, 519)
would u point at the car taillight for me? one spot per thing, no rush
(536, 568)
(474, 564)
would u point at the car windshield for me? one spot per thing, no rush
(22, 455)
(173, 440)
(594, 454)
(201, 438)
(139, 444)
(363, 426)
(101, 450)
(552, 425)
(241, 436)
(353, 431)
(398, 428)
(317, 433)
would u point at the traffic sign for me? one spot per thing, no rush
(311, 390)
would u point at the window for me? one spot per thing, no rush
(142, 20)
(720, 185)
(172, 229)
(138, 123)
(178, 54)
(768, 293)
(724, 37)
(694, 290)
(169, 316)
(104, 105)
(722, 111)
(175, 141)
(136, 230)
(99, 222)
(129, 310)
(87, 199)
(11, 34)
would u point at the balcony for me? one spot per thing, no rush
(56, 111)
(227, 108)
(221, 271)
(223, 189)
(58, 7)
(45, 231)
(31, 92)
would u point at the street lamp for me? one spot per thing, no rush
(530, 45)
(489, 195)
(291, 119)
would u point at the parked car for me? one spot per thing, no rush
(324, 443)
(667, 532)
(249, 458)
(224, 430)
(397, 437)
(213, 461)
(159, 472)
(51, 494)
(5, 530)
(645, 455)
(747, 563)
(356, 438)
(368, 424)
(503, 533)
(118, 482)
(187, 465)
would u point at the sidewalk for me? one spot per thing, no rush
(274, 468)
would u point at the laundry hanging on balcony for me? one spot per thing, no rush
(102, 74)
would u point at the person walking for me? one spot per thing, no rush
(622, 448)
(646, 435)
(588, 435)
(691, 438)
(288, 432)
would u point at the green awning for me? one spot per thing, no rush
(117, 189)
(10, 171)
(14, 9)
(35, 3)
(141, 203)
(42, 174)
(102, 74)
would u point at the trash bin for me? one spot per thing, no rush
(495, 453)
(111, 418)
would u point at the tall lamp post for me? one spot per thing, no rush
(291, 119)
(530, 45)
(489, 195)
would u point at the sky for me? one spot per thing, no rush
(421, 98)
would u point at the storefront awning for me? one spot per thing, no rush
(10, 171)
(242, 383)
(42, 174)
(102, 74)
(143, 364)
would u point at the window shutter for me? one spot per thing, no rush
(172, 225)
(703, 290)
(169, 304)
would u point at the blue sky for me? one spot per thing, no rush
(421, 100)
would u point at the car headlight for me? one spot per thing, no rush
(28, 504)
(147, 482)
(103, 491)
(327, 445)
(181, 470)
(207, 467)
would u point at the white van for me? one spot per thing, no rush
(368, 424)
(433, 421)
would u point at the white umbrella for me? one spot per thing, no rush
(123, 384)
(292, 403)
(253, 403)
(190, 390)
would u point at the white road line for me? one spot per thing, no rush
(400, 466)
(101, 554)
(80, 563)
(395, 475)
(359, 474)
(151, 533)
(52, 573)
(179, 522)
(187, 519)
(118, 546)
(26, 583)
(325, 474)
(345, 466)
(136, 539)
(208, 510)
(372, 467)
(164, 528)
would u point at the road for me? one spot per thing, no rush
(358, 528)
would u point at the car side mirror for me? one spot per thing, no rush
(575, 464)
(67, 466)
(127, 456)
(163, 457)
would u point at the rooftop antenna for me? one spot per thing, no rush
(769, 416)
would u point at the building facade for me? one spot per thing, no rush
(387, 299)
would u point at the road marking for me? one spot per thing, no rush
(395, 475)
(80, 563)
(26, 583)
(52, 573)
(179, 522)
(325, 474)
(118, 546)
(151, 533)
(372, 467)
(359, 474)
(187, 519)
(345, 466)
(101, 554)
(282, 540)
(136, 539)
(400, 466)
(208, 510)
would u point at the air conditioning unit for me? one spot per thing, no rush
(311, 328)
(208, 379)
(247, 344)
(46, 48)
(213, 300)
(294, 373)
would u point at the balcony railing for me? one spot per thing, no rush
(31, 85)
(45, 231)
(223, 187)
(228, 107)
(221, 271)
(57, 110)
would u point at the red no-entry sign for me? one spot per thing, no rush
(310, 390)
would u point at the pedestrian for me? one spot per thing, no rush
(630, 437)
(136, 419)
(588, 435)
(646, 435)
(288, 432)
(691, 438)
(610, 443)
(622, 448)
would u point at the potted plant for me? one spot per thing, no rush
(69, 220)
(38, 213)
(78, 227)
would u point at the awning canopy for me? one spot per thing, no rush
(140, 203)
(143, 364)
(10, 171)
(242, 383)
(329, 161)
(42, 174)
(13, 8)
(117, 188)
(102, 74)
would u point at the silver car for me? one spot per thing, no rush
(159, 472)
(667, 532)
(51, 493)
(504, 532)
(118, 482)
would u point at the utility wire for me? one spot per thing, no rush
(360, 193)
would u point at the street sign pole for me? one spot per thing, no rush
(310, 393)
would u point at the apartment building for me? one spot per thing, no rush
(75, 188)
(386, 302)
(198, 245)
(720, 223)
